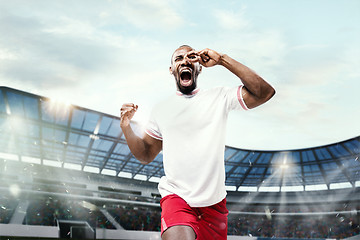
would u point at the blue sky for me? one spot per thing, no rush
(100, 54)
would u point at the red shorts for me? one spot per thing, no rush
(207, 222)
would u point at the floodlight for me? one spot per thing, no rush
(30, 159)
(316, 187)
(91, 169)
(340, 185)
(94, 136)
(56, 102)
(9, 156)
(299, 188)
(97, 128)
(140, 177)
(230, 188)
(108, 172)
(14, 190)
(154, 179)
(269, 189)
(52, 163)
(72, 166)
(56, 107)
(284, 166)
(125, 175)
(247, 189)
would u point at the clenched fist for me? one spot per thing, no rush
(209, 58)
(127, 112)
(206, 57)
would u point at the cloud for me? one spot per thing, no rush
(231, 20)
(53, 47)
(56, 55)
(305, 111)
(150, 15)
(237, 35)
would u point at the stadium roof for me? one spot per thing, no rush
(38, 130)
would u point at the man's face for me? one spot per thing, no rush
(184, 69)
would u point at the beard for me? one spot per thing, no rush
(186, 90)
(181, 80)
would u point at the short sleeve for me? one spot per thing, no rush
(234, 98)
(152, 128)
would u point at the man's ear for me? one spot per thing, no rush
(170, 70)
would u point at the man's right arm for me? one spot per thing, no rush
(144, 149)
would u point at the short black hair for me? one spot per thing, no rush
(182, 46)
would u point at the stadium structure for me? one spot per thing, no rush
(67, 172)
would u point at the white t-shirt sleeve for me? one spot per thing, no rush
(152, 128)
(234, 98)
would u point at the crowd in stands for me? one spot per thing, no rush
(7, 208)
(307, 226)
(47, 211)
(137, 218)
(326, 226)
(295, 208)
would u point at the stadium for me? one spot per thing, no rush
(67, 172)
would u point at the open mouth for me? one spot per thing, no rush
(186, 78)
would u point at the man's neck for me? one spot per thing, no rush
(192, 93)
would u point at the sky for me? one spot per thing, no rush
(101, 54)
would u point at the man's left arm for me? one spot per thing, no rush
(256, 90)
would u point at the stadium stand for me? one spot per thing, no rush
(320, 214)
(71, 167)
(7, 208)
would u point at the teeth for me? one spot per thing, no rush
(186, 70)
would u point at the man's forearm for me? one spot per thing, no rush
(251, 80)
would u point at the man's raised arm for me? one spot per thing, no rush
(256, 90)
(144, 149)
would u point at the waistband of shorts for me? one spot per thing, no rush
(167, 197)
(222, 203)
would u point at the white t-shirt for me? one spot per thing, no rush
(192, 129)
